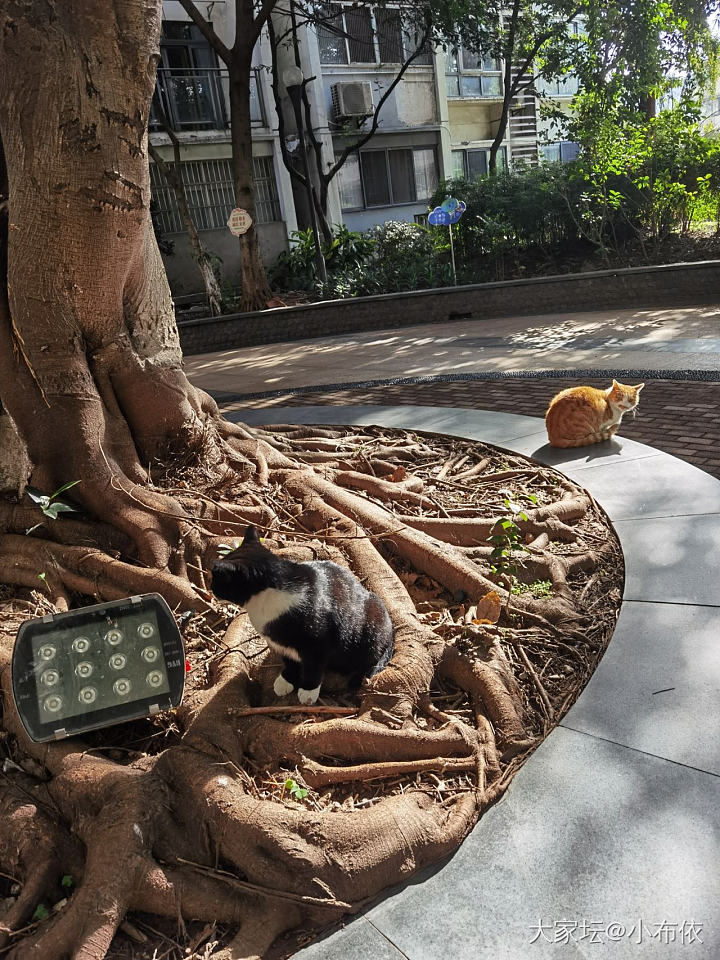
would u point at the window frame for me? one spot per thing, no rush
(460, 71)
(502, 159)
(422, 60)
(392, 202)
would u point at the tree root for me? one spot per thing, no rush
(193, 831)
(318, 775)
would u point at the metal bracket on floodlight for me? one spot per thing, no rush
(97, 666)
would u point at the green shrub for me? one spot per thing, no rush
(392, 257)
(516, 211)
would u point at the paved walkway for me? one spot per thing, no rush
(674, 339)
(681, 416)
(608, 842)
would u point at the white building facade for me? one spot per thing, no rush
(437, 122)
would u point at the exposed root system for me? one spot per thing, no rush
(241, 821)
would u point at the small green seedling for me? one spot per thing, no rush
(67, 881)
(294, 789)
(507, 541)
(50, 505)
(41, 911)
(41, 576)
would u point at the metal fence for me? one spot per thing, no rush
(210, 194)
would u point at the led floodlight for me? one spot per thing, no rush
(97, 666)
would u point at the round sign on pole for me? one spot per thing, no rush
(239, 221)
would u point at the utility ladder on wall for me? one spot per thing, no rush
(522, 125)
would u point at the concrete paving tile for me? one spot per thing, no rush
(650, 486)
(521, 434)
(491, 426)
(671, 559)
(590, 833)
(359, 940)
(619, 448)
(657, 688)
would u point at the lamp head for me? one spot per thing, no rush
(97, 666)
(292, 77)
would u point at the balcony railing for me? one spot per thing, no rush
(199, 99)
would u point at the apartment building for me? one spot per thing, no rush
(437, 122)
(192, 91)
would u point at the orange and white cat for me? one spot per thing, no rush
(584, 415)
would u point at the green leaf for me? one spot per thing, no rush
(290, 784)
(54, 509)
(41, 576)
(63, 488)
(299, 793)
(41, 911)
(37, 496)
(67, 881)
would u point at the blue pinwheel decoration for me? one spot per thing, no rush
(449, 212)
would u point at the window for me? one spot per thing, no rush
(471, 164)
(469, 73)
(183, 47)
(367, 35)
(384, 178)
(190, 85)
(210, 194)
(561, 152)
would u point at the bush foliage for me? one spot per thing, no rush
(632, 186)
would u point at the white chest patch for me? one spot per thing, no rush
(270, 604)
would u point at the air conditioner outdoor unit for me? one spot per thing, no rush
(352, 99)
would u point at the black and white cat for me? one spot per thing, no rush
(317, 615)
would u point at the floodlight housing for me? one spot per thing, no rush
(97, 666)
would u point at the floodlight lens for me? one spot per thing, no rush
(122, 687)
(96, 666)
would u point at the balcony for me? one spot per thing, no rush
(199, 99)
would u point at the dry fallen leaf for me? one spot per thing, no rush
(488, 609)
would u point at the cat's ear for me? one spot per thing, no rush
(639, 387)
(251, 536)
(616, 385)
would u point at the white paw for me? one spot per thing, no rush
(281, 687)
(308, 696)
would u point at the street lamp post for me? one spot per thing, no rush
(293, 79)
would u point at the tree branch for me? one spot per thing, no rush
(207, 31)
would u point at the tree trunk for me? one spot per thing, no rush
(90, 361)
(255, 288)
